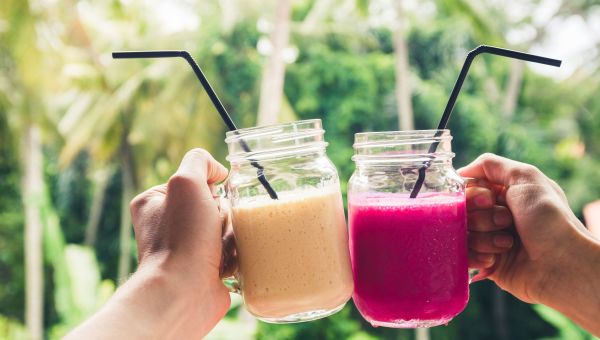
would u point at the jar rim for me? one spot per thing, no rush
(399, 137)
(388, 147)
(257, 131)
(275, 141)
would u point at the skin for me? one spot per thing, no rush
(176, 292)
(525, 238)
(522, 235)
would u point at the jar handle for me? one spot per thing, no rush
(228, 269)
(477, 274)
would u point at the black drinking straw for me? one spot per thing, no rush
(456, 90)
(211, 93)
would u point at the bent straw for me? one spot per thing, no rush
(456, 90)
(211, 94)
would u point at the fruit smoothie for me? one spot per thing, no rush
(293, 254)
(409, 258)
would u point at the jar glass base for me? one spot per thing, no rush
(414, 323)
(304, 316)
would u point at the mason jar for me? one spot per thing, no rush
(409, 255)
(292, 247)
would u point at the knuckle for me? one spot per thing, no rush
(180, 180)
(487, 156)
(138, 202)
(525, 172)
(532, 170)
(545, 204)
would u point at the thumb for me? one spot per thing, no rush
(197, 171)
(499, 170)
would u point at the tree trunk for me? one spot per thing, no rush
(127, 193)
(100, 178)
(403, 88)
(422, 334)
(32, 194)
(499, 313)
(271, 89)
(515, 78)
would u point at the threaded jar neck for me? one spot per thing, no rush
(402, 148)
(275, 141)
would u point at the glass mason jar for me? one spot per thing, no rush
(294, 263)
(409, 255)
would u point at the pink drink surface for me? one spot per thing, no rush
(409, 258)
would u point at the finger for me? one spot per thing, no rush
(501, 195)
(476, 182)
(483, 274)
(197, 171)
(499, 170)
(479, 198)
(491, 243)
(229, 257)
(481, 260)
(200, 164)
(496, 218)
(225, 212)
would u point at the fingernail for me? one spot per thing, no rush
(503, 241)
(486, 258)
(482, 201)
(502, 218)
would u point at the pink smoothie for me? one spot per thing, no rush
(409, 258)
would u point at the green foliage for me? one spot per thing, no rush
(320, 86)
(300, 9)
(344, 75)
(78, 288)
(566, 328)
(12, 279)
(11, 329)
(239, 66)
(339, 326)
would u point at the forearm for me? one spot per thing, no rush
(577, 293)
(151, 305)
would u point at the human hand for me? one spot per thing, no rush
(176, 292)
(531, 258)
(490, 224)
(178, 228)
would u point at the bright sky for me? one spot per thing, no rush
(572, 39)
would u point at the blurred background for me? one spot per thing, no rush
(81, 133)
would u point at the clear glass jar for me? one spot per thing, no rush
(409, 255)
(294, 263)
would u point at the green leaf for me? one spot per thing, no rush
(566, 328)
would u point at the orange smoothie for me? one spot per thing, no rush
(293, 253)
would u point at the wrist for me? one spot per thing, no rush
(181, 274)
(186, 298)
(156, 297)
(571, 281)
